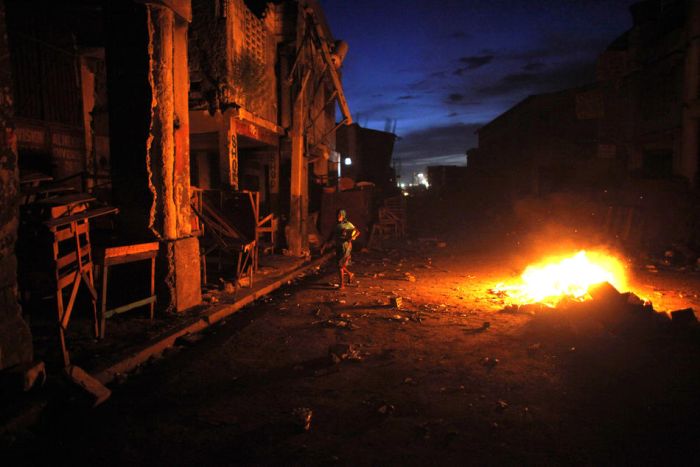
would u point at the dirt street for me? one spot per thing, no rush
(448, 378)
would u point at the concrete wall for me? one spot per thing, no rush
(232, 58)
(15, 338)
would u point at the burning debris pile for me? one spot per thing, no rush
(556, 279)
(586, 281)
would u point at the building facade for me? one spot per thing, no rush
(366, 155)
(142, 103)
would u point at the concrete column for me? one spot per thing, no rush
(168, 158)
(15, 337)
(297, 240)
(690, 149)
(274, 180)
(228, 151)
(161, 144)
(182, 128)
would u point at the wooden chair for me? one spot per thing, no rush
(268, 225)
(393, 214)
(221, 236)
(72, 256)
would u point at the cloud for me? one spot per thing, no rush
(455, 97)
(472, 63)
(533, 66)
(406, 97)
(459, 35)
(554, 79)
(476, 61)
(436, 145)
(418, 165)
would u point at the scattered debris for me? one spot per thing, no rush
(302, 416)
(489, 362)
(95, 390)
(500, 293)
(502, 404)
(534, 348)
(399, 318)
(396, 302)
(528, 308)
(684, 316)
(24, 377)
(605, 292)
(632, 299)
(484, 326)
(410, 277)
(226, 286)
(337, 323)
(34, 374)
(386, 409)
(340, 352)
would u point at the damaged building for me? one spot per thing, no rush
(628, 141)
(182, 132)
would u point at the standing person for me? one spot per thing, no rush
(343, 234)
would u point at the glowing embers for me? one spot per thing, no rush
(570, 277)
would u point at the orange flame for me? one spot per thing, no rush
(550, 281)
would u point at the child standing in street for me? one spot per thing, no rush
(343, 235)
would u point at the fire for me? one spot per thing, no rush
(552, 280)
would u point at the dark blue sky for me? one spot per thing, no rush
(441, 69)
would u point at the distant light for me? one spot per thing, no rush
(422, 180)
(348, 161)
(405, 193)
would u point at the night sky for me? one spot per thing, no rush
(441, 69)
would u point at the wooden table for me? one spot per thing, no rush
(123, 255)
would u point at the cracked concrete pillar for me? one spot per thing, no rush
(297, 239)
(168, 157)
(15, 337)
